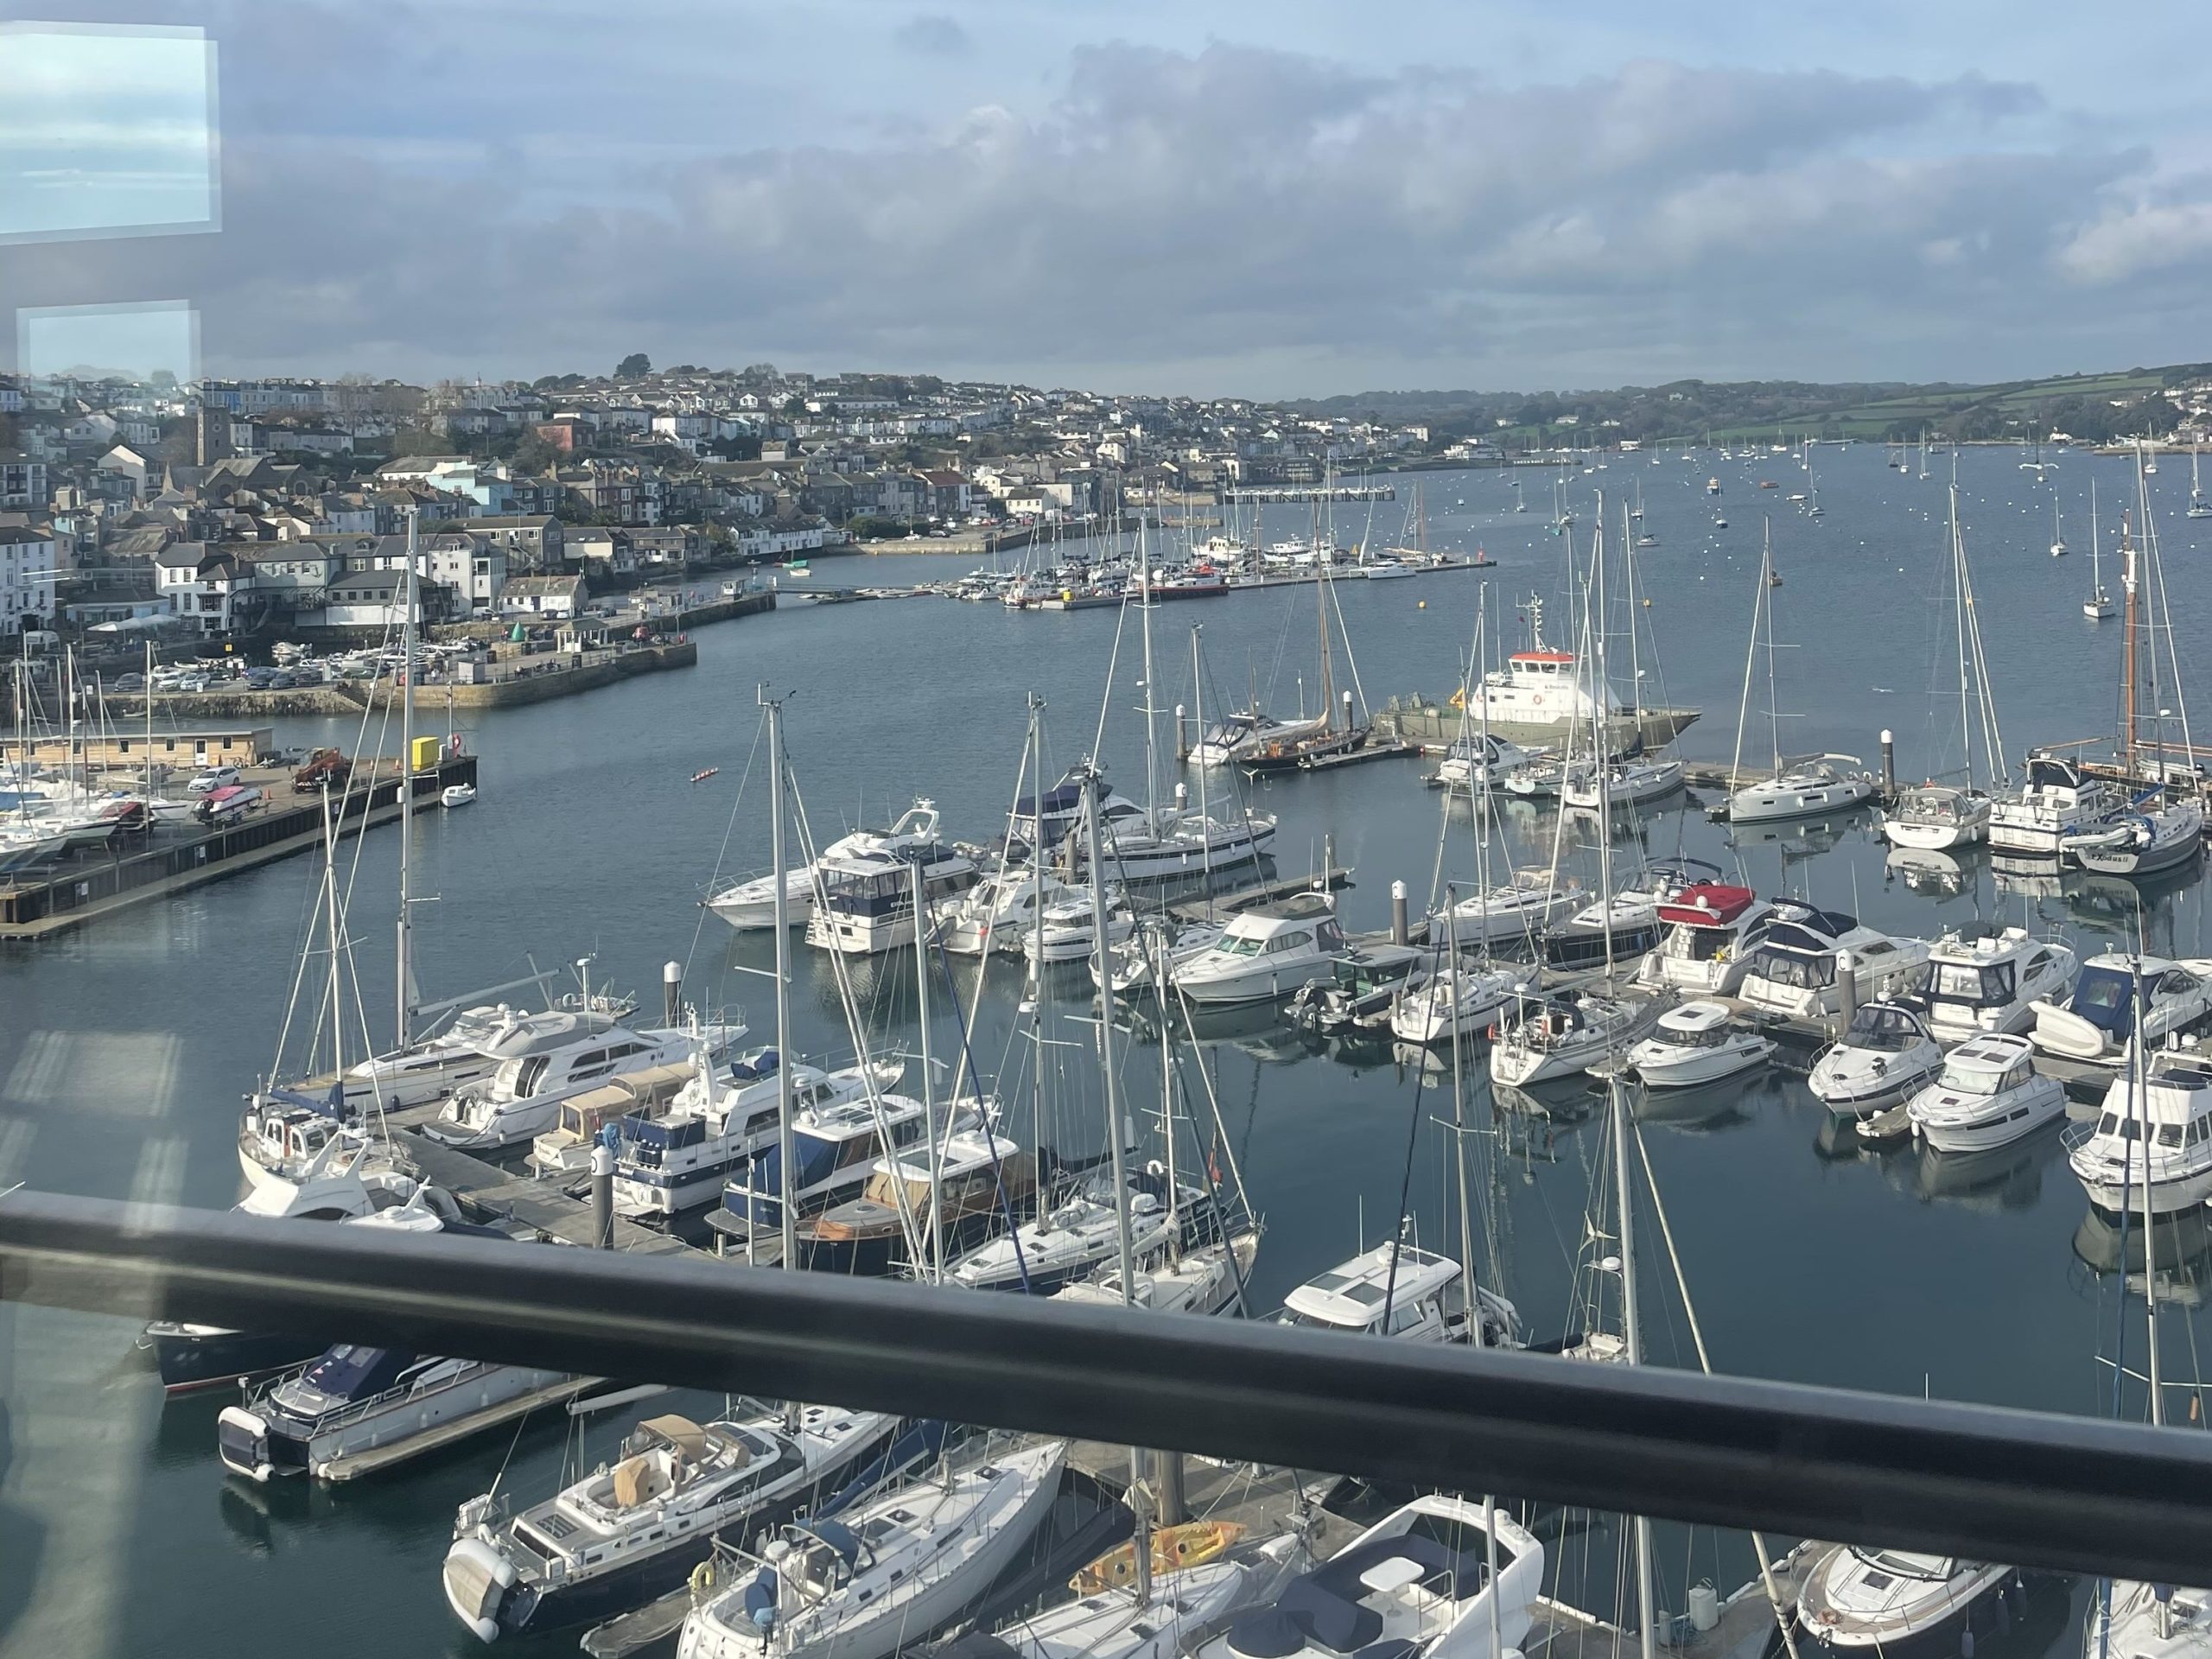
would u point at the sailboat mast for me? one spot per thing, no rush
(2127, 580)
(1151, 701)
(404, 955)
(150, 727)
(330, 908)
(1632, 1336)
(1321, 616)
(1600, 750)
(786, 1143)
(922, 1015)
(1766, 591)
(2096, 552)
(1959, 603)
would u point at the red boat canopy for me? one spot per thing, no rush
(1708, 903)
(1543, 656)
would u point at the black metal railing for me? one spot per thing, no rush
(2028, 1489)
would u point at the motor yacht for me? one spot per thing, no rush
(862, 1584)
(1989, 1095)
(1936, 816)
(1478, 761)
(630, 1532)
(680, 1161)
(1522, 907)
(1067, 931)
(1710, 929)
(1793, 969)
(1989, 982)
(1235, 737)
(524, 1097)
(1885, 1056)
(1000, 912)
(1417, 1583)
(468, 1050)
(2172, 1124)
(1401, 1291)
(1696, 1043)
(2058, 800)
(1895, 1604)
(1620, 929)
(751, 904)
(1457, 1002)
(865, 900)
(1809, 785)
(963, 1186)
(349, 1175)
(563, 1152)
(1268, 950)
(2097, 1020)
(1541, 1037)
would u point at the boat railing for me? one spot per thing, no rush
(421, 1389)
(1976, 1483)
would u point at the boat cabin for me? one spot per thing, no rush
(1988, 1065)
(1885, 1028)
(1393, 1290)
(1695, 1025)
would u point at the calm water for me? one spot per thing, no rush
(124, 1048)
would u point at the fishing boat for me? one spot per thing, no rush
(1989, 1095)
(864, 1582)
(1542, 1038)
(1709, 930)
(634, 1530)
(1419, 1580)
(751, 903)
(1894, 1604)
(1989, 982)
(1696, 1043)
(523, 1096)
(1885, 1056)
(1406, 1293)
(1794, 970)
(1268, 950)
(2098, 1018)
(2152, 1150)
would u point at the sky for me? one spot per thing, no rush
(1264, 198)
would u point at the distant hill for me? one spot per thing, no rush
(2089, 406)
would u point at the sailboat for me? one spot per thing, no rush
(2198, 506)
(2099, 605)
(1333, 737)
(2058, 548)
(1629, 782)
(1519, 505)
(1935, 816)
(1802, 784)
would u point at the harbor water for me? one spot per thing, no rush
(125, 1047)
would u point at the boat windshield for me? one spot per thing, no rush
(1236, 946)
(1797, 972)
(1890, 1031)
(1971, 1079)
(1981, 985)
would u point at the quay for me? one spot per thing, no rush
(38, 904)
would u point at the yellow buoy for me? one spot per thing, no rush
(1421, 605)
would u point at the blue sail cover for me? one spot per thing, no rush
(756, 1196)
(332, 1106)
(919, 1445)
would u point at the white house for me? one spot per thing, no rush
(202, 584)
(28, 561)
(543, 596)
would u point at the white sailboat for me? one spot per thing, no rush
(1936, 816)
(2058, 548)
(2099, 605)
(2199, 507)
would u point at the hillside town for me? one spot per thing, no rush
(227, 508)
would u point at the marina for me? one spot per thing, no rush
(126, 1071)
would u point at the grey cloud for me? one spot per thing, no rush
(1234, 219)
(934, 34)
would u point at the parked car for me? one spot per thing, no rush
(130, 682)
(214, 779)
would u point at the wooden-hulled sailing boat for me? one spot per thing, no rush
(1341, 731)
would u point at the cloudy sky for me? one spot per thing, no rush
(1269, 197)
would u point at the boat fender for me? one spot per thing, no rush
(1966, 1645)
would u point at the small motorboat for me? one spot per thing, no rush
(2097, 1020)
(1989, 1095)
(1884, 1057)
(1859, 1603)
(1696, 1043)
(456, 795)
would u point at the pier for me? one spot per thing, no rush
(73, 890)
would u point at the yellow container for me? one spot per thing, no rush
(425, 754)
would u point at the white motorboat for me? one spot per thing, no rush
(1542, 1038)
(1457, 1002)
(999, 912)
(1711, 928)
(1936, 816)
(1417, 1584)
(1405, 1293)
(959, 1185)
(1267, 952)
(1894, 1604)
(751, 904)
(454, 795)
(1885, 1056)
(1793, 969)
(1233, 738)
(1805, 785)
(889, 1572)
(1522, 907)
(1475, 761)
(1625, 783)
(2144, 841)
(864, 902)
(349, 1175)
(468, 1050)
(1988, 983)
(2163, 1141)
(2097, 1020)
(1695, 1044)
(670, 1162)
(2058, 800)
(1989, 1096)
(626, 1534)
(837, 1147)
(522, 1098)
(1068, 932)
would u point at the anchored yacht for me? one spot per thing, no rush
(1406, 1293)
(1541, 1037)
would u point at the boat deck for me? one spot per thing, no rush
(1259, 1499)
(1746, 1625)
(485, 1190)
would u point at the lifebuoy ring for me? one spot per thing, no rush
(1536, 699)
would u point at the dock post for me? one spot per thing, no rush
(1182, 736)
(1888, 765)
(1846, 989)
(602, 1196)
(1400, 931)
(671, 993)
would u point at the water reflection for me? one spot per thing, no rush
(2001, 1178)
(1728, 1104)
